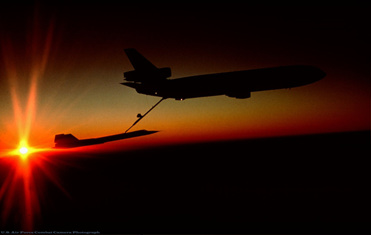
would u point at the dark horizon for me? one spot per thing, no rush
(306, 184)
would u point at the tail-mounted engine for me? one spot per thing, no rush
(148, 76)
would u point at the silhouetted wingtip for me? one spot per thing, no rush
(144, 131)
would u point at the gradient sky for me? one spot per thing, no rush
(65, 63)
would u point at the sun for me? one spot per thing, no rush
(23, 150)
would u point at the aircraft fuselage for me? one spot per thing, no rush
(233, 84)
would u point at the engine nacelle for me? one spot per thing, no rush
(147, 76)
(165, 72)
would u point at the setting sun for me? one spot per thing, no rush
(23, 150)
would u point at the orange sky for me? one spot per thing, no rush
(61, 74)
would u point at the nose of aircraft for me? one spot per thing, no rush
(312, 74)
(318, 73)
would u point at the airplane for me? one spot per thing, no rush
(70, 141)
(147, 79)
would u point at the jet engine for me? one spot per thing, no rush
(148, 75)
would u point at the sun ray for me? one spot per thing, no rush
(23, 158)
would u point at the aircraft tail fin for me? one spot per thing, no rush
(138, 61)
(144, 70)
(62, 140)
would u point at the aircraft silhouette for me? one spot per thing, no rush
(70, 141)
(147, 79)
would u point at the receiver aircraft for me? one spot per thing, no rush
(147, 79)
(70, 141)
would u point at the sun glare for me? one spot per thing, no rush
(18, 193)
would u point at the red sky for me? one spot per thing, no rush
(61, 67)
